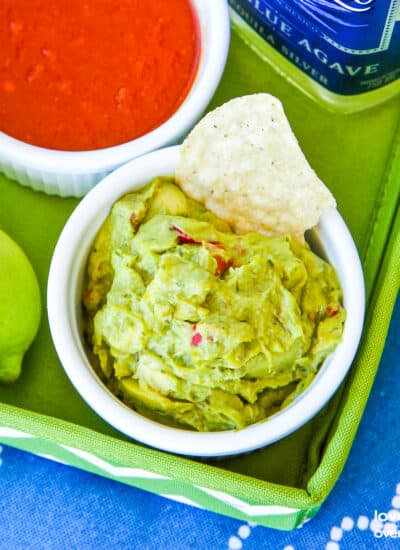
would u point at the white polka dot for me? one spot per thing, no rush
(396, 501)
(336, 533)
(332, 546)
(394, 515)
(252, 524)
(398, 488)
(244, 531)
(362, 523)
(376, 525)
(290, 547)
(347, 524)
(390, 528)
(235, 543)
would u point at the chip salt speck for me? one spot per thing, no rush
(244, 163)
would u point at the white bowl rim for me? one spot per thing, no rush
(209, 72)
(77, 235)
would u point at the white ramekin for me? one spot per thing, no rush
(70, 173)
(68, 264)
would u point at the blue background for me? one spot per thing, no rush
(46, 505)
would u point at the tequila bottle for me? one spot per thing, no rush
(345, 54)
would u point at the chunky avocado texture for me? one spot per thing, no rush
(198, 327)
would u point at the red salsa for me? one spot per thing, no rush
(88, 74)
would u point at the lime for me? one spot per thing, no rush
(20, 307)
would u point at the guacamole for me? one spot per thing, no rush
(198, 327)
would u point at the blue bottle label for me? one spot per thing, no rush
(347, 46)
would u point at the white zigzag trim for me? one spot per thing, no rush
(182, 499)
(117, 471)
(14, 434)
(52, 458)
(252, 510)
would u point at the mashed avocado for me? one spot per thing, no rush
(198, 327)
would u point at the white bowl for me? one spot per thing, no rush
(64, 307)
(73, 173)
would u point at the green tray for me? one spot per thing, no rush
(281, 486)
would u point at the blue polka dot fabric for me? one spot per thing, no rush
(47, 505)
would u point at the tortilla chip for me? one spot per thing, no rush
(244, 163)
